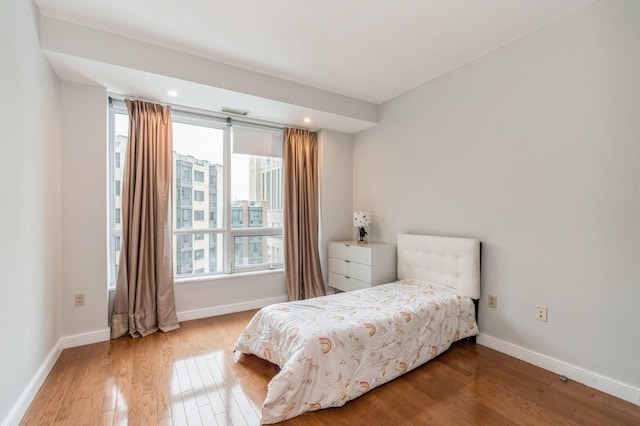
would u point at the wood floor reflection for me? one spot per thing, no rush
(189, 377)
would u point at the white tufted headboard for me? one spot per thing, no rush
(444, 260)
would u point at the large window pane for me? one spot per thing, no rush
(198, 176)
(256, 197)
(256, 178)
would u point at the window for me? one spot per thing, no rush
(255, 215)
(226, 194)
(186, 173)
(236, 215)
(184, 242)
(183, 218)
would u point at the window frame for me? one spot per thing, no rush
(228, 232)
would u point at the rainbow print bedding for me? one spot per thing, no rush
(335, 348)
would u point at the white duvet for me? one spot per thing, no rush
(334, 348)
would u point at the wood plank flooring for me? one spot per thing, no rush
(188, 377)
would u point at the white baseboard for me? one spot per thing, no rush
(228, 309)
(86, 338)
(610, 386)
(27, 395)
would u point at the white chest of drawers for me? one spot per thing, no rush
(353, 266)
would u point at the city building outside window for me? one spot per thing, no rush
(226, 198)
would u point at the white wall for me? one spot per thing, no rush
(534, 149)
(336, 191)
(30, 213)
(84, 207)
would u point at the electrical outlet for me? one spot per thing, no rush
(493, 301)
(541, 313)
(80, 299)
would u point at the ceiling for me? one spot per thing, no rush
(367, 50)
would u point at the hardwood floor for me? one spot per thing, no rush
(189, 377)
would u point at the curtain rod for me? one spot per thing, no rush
(214, 114)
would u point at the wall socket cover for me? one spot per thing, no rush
(541, 313)
(493, 301)
(79, 299)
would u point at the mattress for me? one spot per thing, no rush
(335, 348)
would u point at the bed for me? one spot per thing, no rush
(335, 348)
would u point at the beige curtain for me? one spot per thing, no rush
(144, 299)
(302, 262)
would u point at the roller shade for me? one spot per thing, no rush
(257, 141)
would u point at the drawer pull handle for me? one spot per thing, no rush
(347, 277)
(347, 261)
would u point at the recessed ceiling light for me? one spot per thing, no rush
(172, 93)
(307, 120)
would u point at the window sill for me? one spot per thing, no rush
(218, 277)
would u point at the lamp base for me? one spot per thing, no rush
(361, 235)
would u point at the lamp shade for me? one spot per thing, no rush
(361, 219)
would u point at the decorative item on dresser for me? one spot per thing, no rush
(353, 266)
(361, 221)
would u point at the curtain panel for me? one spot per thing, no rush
(303, 275)
(144, 299)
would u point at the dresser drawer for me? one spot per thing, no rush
(351, 252)
(352, 266)
(350, 269)
(343, 283)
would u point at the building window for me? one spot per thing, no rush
(221, 172)
(185, 263)
(236, 216)
(255, 215)
(184, 220)
(185, 242)
(185, 194)
(186, 174)
(198, 254)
